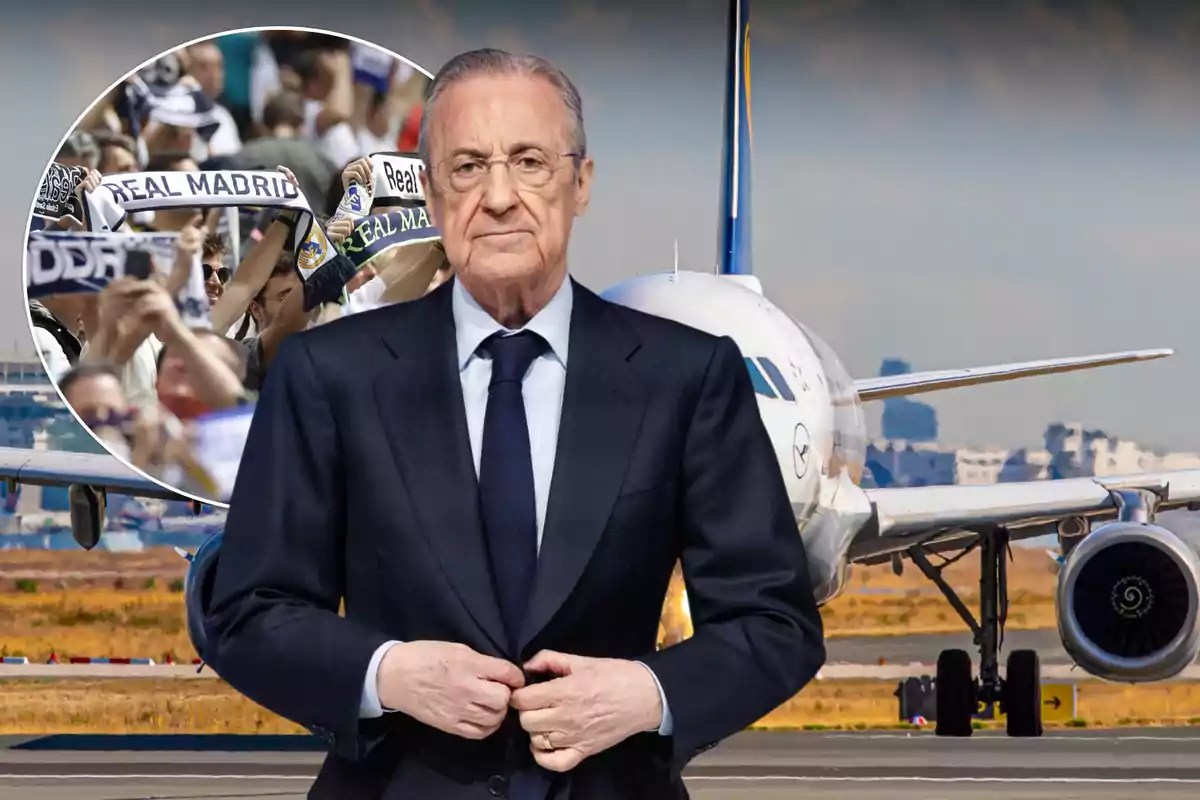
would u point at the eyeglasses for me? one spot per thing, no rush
(222, 273)
(108, 418)
(532, 169)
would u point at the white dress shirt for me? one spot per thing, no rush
(542, 390)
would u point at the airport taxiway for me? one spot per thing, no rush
(925, 647)
(750, 766)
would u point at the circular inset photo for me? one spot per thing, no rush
(219, 198)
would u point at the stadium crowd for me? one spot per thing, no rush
(311, 107)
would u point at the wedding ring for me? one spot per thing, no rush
(546, 741)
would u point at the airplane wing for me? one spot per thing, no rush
(920, 382)
(904, 517)
(58, 468)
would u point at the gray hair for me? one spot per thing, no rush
(490, 61)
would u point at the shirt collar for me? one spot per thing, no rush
(472, 324)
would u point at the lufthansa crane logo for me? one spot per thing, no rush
(801, 450)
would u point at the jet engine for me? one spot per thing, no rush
(1128, 604)
(197, 590)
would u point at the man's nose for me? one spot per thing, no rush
(499, 193)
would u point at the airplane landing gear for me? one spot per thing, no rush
(959, 694)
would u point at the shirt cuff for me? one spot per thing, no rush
(668, 724)
(371, 706)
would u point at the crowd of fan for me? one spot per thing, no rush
(127, 364)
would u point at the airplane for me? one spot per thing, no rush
(89, 478)
(1128, 596)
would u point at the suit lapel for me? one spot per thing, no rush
(603, 404)
(421, 409)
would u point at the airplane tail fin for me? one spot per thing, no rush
(734, 246)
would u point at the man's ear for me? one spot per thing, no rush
(583, 185)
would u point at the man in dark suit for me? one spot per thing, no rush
(502, 527)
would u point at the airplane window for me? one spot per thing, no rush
(760, 383)
(776, 376)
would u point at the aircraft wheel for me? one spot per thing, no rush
(956, 701)
(1023, 694)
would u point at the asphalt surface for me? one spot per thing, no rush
(1164, 763)
(925, 647)
(865, 651)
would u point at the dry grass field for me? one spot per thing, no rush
(117, 705)
(211, 706)
(131, 605)
(871, 704)
(879, 603)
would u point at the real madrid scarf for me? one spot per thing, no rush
(395, 179)
(371, 238)
(380, 233)
(118, 195)
(68, 262)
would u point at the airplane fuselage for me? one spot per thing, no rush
(805, 396)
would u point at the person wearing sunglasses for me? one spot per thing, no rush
(93, 391)
(216, 274)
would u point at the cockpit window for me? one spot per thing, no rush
(760, 383)
(776, 376)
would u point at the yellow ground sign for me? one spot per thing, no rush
(1059, 701)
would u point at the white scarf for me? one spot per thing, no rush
(62, 262)
(396, 180)
(119, 195)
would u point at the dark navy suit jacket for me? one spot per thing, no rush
(357, 482)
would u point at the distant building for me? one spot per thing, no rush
(1075, 452)
(1071, 452)
(906, 419)
(899, 463)
(32, 416)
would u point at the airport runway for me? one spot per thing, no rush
(925, 647)
(1164, 763)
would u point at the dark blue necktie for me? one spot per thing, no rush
(506, 476)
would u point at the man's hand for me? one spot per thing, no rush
(448, 686)
(287, 173)
(187, 247)
(88, 183)
(359, 171)
(155, 309)
(592, 704)
(339, 229)
(361, 277)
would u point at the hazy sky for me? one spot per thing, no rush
(949, 185)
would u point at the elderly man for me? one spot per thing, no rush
(497, 479)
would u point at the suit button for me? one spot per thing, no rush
(497, 785)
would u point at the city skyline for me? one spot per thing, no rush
(959, 190)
